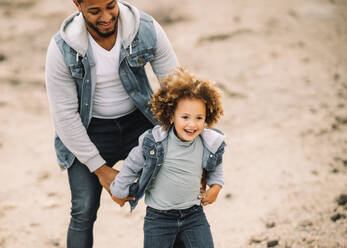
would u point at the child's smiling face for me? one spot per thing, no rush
(189, 118)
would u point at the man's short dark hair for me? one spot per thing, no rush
(79, 1)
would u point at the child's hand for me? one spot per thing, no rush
(122, 201)
(210, 195)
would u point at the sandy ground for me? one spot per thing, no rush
(282, 67)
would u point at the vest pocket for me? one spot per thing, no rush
(77, 71)
(149, 152)
(140, 59)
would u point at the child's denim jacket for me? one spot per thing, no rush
(144, 161)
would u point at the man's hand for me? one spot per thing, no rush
(122, 201)
(210, 195)
(106, 175)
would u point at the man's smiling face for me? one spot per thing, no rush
(101, 16)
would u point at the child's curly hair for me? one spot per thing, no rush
(182, 84)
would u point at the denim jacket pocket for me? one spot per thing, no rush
(148, 148)
(149, 152)
(77, 71)
(140, 59)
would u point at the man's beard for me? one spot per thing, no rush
(103, 35)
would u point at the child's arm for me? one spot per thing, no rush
(129, 172)
(122, 201)
(215, 181)
(210, 195)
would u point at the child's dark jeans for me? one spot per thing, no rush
(177, 228)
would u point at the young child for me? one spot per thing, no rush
(168, 164)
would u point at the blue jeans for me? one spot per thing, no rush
(177, 228)
(114, 139)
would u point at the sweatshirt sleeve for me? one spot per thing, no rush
(165, 60)
(216, 177)
(130, 171)
(63, 100)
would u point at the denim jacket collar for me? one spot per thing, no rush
(212, 138)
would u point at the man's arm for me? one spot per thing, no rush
(165, 60)
(63, 99)
(106, 175)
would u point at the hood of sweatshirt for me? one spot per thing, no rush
(74, 31)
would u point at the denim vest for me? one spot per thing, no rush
(154, 154)
(131, 72)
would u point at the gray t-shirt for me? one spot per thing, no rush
(177, 185)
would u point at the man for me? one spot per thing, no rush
(98, 93)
